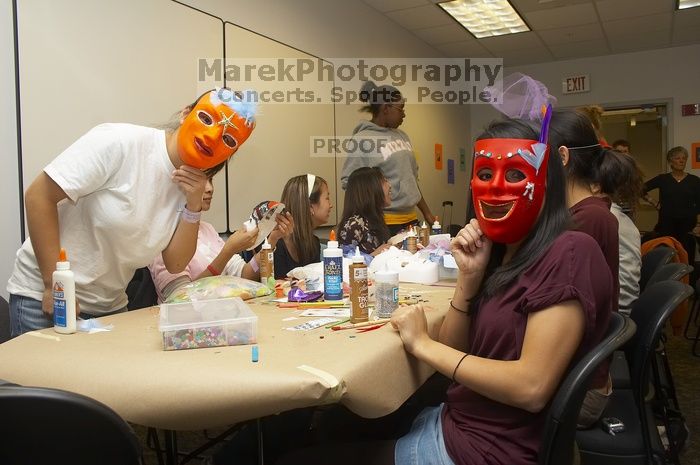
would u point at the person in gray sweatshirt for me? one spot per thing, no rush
(380, 143)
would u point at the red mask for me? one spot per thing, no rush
(508, 185)
(212, 132)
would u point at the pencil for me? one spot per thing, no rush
(360, 325)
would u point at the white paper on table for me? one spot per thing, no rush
(340, 312)
(313, 324)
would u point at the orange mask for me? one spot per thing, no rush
(214, 129)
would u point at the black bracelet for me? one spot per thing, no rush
(454, 373)
(459, 309)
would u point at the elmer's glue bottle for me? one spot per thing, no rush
(436, 229)
(333, 270)
(359, 311)
(63, 287)
(267, 265)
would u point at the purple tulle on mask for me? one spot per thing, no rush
(523, 97)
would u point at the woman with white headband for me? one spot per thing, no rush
(308, 199)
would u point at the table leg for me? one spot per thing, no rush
(258, 425)
(170, 447)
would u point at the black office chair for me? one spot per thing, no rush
(670, 272)
(557, 446)
(619, 368)
(42, 426)
(640, 442)
(651, 261)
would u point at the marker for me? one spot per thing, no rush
(254, 354)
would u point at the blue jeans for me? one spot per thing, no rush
(26, 315)
(424, 444)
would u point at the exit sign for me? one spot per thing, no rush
(576, 84)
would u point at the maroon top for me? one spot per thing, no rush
(592, 216)
(478, 430)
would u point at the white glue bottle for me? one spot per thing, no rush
(436, 229)
(63, 287)
(332, 270)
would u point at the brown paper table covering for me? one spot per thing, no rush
(128, 370)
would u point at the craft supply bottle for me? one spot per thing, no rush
(386, 292)
(436, 229)
(63, 288)
(412, 240)
(267, 265)
(359, 294)
(424, 234)
(332, 270)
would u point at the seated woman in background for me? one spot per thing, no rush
(214, 256)
(308, 200)
(367, 194)
(531, 298)
(591, 170)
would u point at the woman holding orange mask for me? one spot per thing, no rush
(116, 198)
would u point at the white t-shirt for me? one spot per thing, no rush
(630, 259)
(122, 210)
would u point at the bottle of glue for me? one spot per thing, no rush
(63, 287)
(436, 229)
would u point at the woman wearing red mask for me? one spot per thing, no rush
(116, 198)
(531, 298)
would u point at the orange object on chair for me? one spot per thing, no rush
(680, 314)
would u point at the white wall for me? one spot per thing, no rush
(670, 74)
(9, 178)
(353, 29)
(325, 28)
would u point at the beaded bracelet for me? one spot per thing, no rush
(188, 216)
(454, 373)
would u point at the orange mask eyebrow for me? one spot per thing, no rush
(212, 132)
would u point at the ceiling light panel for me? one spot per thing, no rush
(486, 18)
(683, 4)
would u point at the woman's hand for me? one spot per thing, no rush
(47, 303)
(192, 182)
(471, 249)
(284, 228)
(241, 240)
(412, 325)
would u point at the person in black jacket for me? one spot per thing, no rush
(679, 201)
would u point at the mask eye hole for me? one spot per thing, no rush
(230, 141)
(513, 175)
(205, 117)
(485, 174)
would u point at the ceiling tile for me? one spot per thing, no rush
(524, 6)
(688, 35)
(563, 16)
(610, 10)
(391, 5)
(464, 49)
(580, 49)
(572, 34)
(511, 42)
(641, 41)
(441, 34)
(687, 18)
(421, 17)
(631, 26)
(525, 56)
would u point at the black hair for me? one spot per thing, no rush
(376, 96)
(553, 220)
(589, 163)
(622, 142)
(364, 196)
